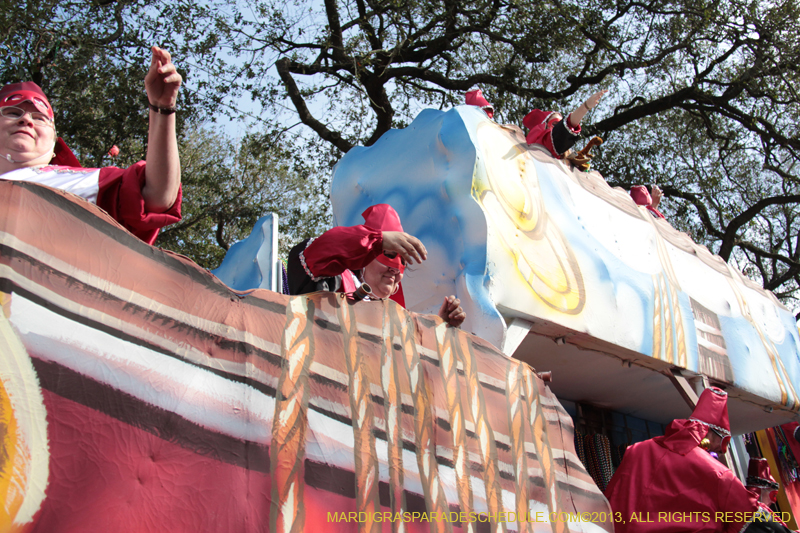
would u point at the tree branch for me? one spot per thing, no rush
(333, 137)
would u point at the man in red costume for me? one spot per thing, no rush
(554, 132)
(373, 255)
(761, 483)
(673, 484)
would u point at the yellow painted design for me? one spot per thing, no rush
(12, 477)
(513, 202)
(657, 319)
(24, 453)
(788, 394)
(666, 304)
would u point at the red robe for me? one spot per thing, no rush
(672, 474)
(118, 191)
(556, 136)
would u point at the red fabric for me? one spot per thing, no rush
(759, 469)
(63, 156)
(541, 125)
(712, 408)
(106, 475)
(382, 217)
(27, 91)
(792, 491)
(395, 262)
(670, 475)
(535, 118)
(641, 195)
(476, 98)
(120, 195)
(343, 248)
(348, 282)
(682, 436)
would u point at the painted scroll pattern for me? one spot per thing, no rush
(483, 432)
(541, 253)
(423, 424)
(518, 422)
(543, 449)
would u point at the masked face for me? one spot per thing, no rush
(382, 279)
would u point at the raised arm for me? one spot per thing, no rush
(576, 116)
(163, 171)
(656, 195)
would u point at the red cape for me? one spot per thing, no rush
(671, 484)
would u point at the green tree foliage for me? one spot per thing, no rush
(90, 57)
(228, 186)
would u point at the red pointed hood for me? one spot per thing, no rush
(640, 195)
(759, 475)
(712, 410)
(63, 155)
(682, 436)
(535, 118)
(476, 98)
(383, 217)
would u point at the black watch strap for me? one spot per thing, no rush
(163, 110)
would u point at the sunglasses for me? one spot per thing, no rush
(16, 113)
(392, 255)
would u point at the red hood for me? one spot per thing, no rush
(682, 436)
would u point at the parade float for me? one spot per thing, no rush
(558, 269)
(141, 392)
